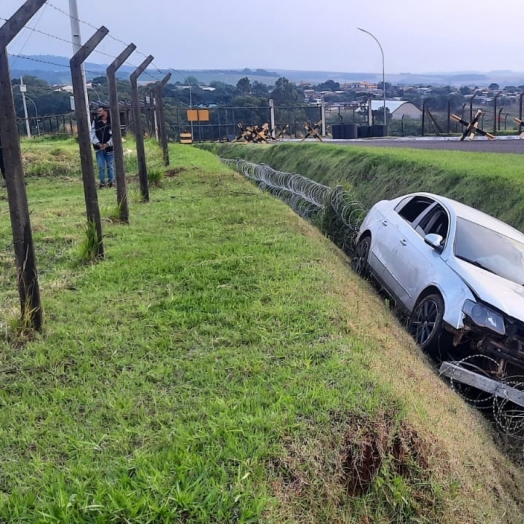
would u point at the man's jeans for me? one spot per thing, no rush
(105, 159)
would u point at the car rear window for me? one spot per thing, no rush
(409, 210)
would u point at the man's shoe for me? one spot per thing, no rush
(101, 186)
(110, 184)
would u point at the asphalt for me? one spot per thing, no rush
(499, 145)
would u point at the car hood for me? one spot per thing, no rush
(497, 291)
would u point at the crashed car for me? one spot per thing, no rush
(457, 273)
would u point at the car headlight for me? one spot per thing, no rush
(483, 316)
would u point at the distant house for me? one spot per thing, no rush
(398, 108)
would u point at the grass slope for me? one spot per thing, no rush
(223, 364)
(490, 182)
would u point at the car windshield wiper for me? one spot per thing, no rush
(475, 263)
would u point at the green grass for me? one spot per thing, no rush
(222, 364)
(488, 181)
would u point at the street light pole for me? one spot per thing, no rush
(36, 114)
(77, 44)
(383, 70)
(23, 90)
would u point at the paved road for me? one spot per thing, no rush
(499, 145)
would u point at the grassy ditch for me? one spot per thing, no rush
(223, 364)
(490, 182)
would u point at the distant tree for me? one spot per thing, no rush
(99, 80)
(328, 85)
(223, 93)
(510, 88)
(260, 89)
(31, 81)
(244, 86)
(192, 81)
(494, 86)
(465, 90)
(285, 92)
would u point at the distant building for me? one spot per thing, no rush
(398, 108)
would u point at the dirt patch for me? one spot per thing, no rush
(371, 445)
(366, 467)
(172, 173)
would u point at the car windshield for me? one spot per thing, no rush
(490, 250)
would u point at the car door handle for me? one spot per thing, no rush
(384, 222)
(404, 242)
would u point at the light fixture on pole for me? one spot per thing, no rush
(383, 70)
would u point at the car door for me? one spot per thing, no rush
(399, 224)
(415, 262)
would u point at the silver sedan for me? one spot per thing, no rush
(457, 272)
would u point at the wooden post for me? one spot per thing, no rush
(121, 189)
(139, 133)
(161, 117)
(84, 136)
(28, 289)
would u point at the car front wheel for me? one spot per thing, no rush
(425, 322)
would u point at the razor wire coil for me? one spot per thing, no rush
(335, 210)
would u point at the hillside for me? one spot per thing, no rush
(222, 364)
(55, 69)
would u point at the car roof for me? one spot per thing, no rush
(474, 215)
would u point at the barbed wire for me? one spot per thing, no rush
(29, 36)
(508, 416)
(48, 62)
(334, 210)
(60, 10)
(109, 35)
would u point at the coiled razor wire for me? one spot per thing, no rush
(508, 416)
(334, 210)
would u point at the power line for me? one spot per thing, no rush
(118, 40)
(26, 57)
(55, 37)
(29, 36)
(35, 30)
(69, 16)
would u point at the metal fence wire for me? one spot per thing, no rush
(334, 210)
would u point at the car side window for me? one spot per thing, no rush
(409, 209)
(436, 221)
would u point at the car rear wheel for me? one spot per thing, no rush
(425, 322)
(359, 262)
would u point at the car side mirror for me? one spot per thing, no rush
(435, 241)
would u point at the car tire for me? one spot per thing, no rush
(425, 324)
(359, 262)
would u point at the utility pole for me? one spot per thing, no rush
(23, 90)
(76, 38)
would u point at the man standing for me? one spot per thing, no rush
(102, 140)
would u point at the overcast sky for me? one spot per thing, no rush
(416, 35)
